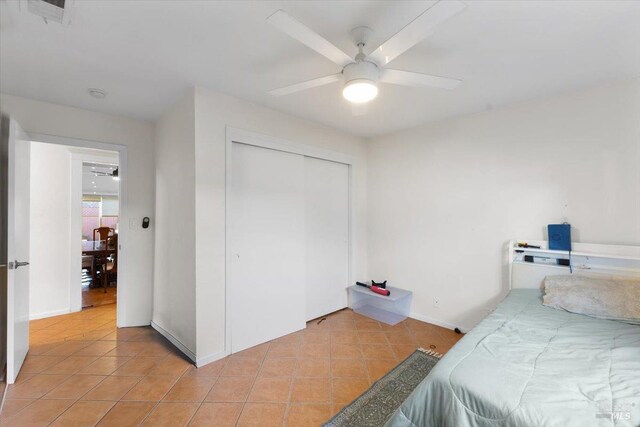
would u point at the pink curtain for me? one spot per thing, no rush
(91, 219)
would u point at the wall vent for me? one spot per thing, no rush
(49, 10)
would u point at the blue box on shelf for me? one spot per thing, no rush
(560, 237)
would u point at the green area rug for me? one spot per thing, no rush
(375, 406)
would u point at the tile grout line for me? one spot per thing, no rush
(331, 391)
(115, 402)
(364, 360)
(157, 402)
(141, 335)
(77, 400)
(68, 379)
(212, 386)
(140, 380)
(246, 399)
(292, 380)
(205, 397)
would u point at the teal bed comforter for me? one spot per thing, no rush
(531, 365)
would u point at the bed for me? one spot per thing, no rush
(531, 365)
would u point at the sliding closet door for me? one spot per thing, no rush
(327, 236)
(267, 245)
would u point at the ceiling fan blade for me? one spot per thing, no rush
(417, 30)
(306, 85)
(407, 78)
(306, 36)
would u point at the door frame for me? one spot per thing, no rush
(75, 222)
(5, 123)
(241, 136)
(123, 232)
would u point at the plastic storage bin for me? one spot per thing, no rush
(390, 310)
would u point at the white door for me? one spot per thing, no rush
(266, 224)
(17, 248)
(327, 236)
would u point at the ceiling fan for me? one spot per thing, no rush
(362, 74)
(113, 173)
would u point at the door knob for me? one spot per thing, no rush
(14, 265)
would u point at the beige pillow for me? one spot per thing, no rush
(613, 299)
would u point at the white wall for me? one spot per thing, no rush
(175, 261)
(444, 198)
(213, 112)
(49, 275)
(136, 262)
(432, 214)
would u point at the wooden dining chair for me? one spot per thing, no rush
(111, 273)
(103, 233)
(88, 264)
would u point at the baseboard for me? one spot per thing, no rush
(48, 314)
(437, 322)
(211, 358)
(175, 341)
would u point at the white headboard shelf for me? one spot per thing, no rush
(586, 259)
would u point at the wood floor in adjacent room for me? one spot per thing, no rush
(94, 297)
(82, 371)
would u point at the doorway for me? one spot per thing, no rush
(74, 218)
(100, 228)
(27, 330)
(92, 151)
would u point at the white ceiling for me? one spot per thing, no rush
(145, 54)
(98, 185)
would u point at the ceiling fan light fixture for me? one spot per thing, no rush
(360, 82)
(359, 91)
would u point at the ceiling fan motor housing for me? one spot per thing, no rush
(362, 70)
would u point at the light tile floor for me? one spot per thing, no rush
(82, 371)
